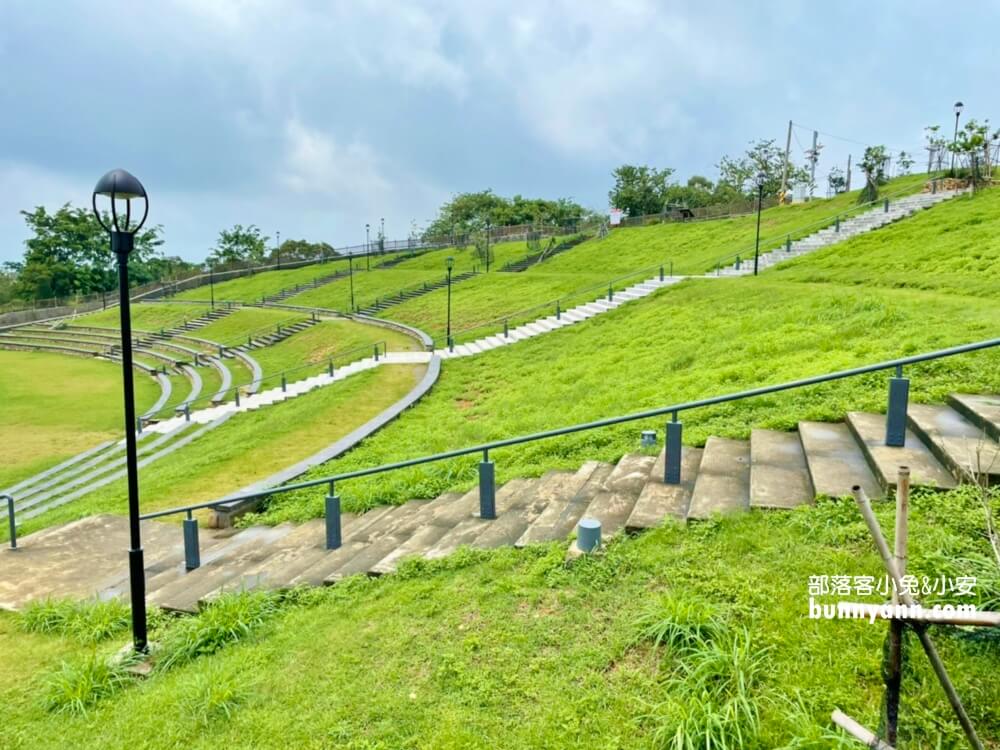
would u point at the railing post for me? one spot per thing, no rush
(788, 243)
(672, 452)
(886, 205)
(895, 420)
(506, 329)
(487, 488)
(284, 383)
(192, 554)
(558, 311)
(611, 294)
(11, 521)
(329, 368)
(187, 411)
(333, 535)
(836, 225)
(451, 344)
(661, 273)
(376, 352)
(237, 392)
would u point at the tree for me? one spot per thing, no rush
(738, 176)
(239, 244)
(69, 254)
(904, 162)
(973, 146)
(640, 190)
(292, 250)
(936, 146)
(470, 212)
(837, 181)
(873, 165)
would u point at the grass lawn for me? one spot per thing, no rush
(53, 406)
(233, 329)
(251, 445)
(515, 649)
(252, 288)
(151, 316)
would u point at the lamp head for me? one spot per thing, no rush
(958, 108)
(119, 185)
(761, 178)
(450, 263)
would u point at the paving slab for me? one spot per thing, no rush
(925, 469)
(982, 410)
(559, 517)
(513, 494)
(835, 460)
(964, 448)
(659, 501)
(723, 483)
(779, 477)
(508, 526)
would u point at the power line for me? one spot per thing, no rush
(892, 149)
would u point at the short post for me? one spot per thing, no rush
(894, 665)
(788, 243)
(138, 425)
(738, 262)
(314, 316)
(333, 530)
(648, 439)
(451, 344)
(611, 294)
(376, 352)
(329, 368)
(506, 329)
(558, 311)
(933, 187)
(672, 452)
(187, 411)
(487, 488)
(895, 421)
(12, 523)
(237, 392)
(886, 205)
(192, 554)
(661, 273)
(279, 329)
(249, 340)
(588, 535)
(222, 351)
(284, 383)
(671, 269)
(836, 225)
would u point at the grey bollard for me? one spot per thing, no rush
(648, 439)
(672, 457)
(895, 420)
(192, 554)
(333, 530)
(487, 490)
(588, 535)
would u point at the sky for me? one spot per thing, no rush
(311, 118)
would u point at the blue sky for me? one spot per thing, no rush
(311, 118)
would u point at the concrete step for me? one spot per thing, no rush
(659, 501)
(510, 496)
(982, 410)
(613, 505)
(558, 519)
(723, 483)
(779, 477)
(835, 461)
(448, 510)
(925, 469)
(965, 449)
(404, 523)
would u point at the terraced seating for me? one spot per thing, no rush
(772, 470)
(383, 303)
(291, 291)
(281, 333)
(529, 260)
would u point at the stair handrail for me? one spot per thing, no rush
(821, 223)
(376, 349)
(674, 410)
(11, 520)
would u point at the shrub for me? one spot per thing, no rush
(212, 695)
(87, 621)
(80, 684)
(679, 624)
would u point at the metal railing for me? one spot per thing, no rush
(10, 520)
(895, 436)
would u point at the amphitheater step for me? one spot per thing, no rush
(779, 477)
(613, 505)
(659, 501)
(983, 411)
(925, 469)
(723, 483)
(560, 516)
(835, 460)
(965, 449)
(525, 507)
(404, 523)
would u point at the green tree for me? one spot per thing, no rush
(640, 190)
(292, 250)
(837, 181)
(239, 244)
(469, 212)
(738, 175)
(873, 165)
(69, 254)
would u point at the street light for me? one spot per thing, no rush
(487, 246)
(120, 185)
(350, 274)
(277, 248)
(211, 282)
(381, 237)
(450, 263)
(368, 249)
(761, 179)
(954, 141)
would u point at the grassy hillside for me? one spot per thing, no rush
(515, 649)
(54, 406)
(150, 316)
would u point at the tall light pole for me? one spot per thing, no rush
(450, 263)
(761, 178)
(954, 141)
(368, 249)
(120, 185)
(277, 248)
(487, 246)
(350, 275)
(211, 282)
(381, 237)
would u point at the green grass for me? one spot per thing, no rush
(250, 446)
(252, 288)
(53, 406)
(233, 329)
(151, 316)
(515, 648)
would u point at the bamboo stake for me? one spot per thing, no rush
(859, 732)
(894, 669)
(864, 504)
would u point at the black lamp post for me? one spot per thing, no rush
(211, 282)
(368, 248)
(277, 248)
(761, 178)
(381, 236)
(487, 246)
(954, 141)
(350, 276)
(450, 263)
(120, 185)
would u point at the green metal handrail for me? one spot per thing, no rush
(673, 435)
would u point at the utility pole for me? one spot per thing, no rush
(784, 168)
(848, 173)
(813, 158)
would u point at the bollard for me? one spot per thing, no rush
(661, 273)
(588, 535)
(284, 383)
(187, 411)
(611, 294)
(738, 262)
(11, 522)
(192, 555)
(506, 329)
(333, 530)
(671, 269)
(249, 341)
(886, 205)
(138, 425)
(222, 351)
(648, 438)
(558, 311)
(895, 418)
(329, 369)
(487, 488)
(376, 352)
(672, 452)
(836, 225)
(788, 244)
(451, 344)
(237, 391)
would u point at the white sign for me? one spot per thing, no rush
(616, 216)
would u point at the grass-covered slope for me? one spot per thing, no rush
(54, 406)
(701, 632)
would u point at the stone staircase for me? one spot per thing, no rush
(199, 322)
(529, 260)
(861, 224)
(300, 288)
(772, 470)
(281, 333)
(383, 303)
(564, 318)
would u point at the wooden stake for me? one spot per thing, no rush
(859, 732)
(865, 506)
(894, 668)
